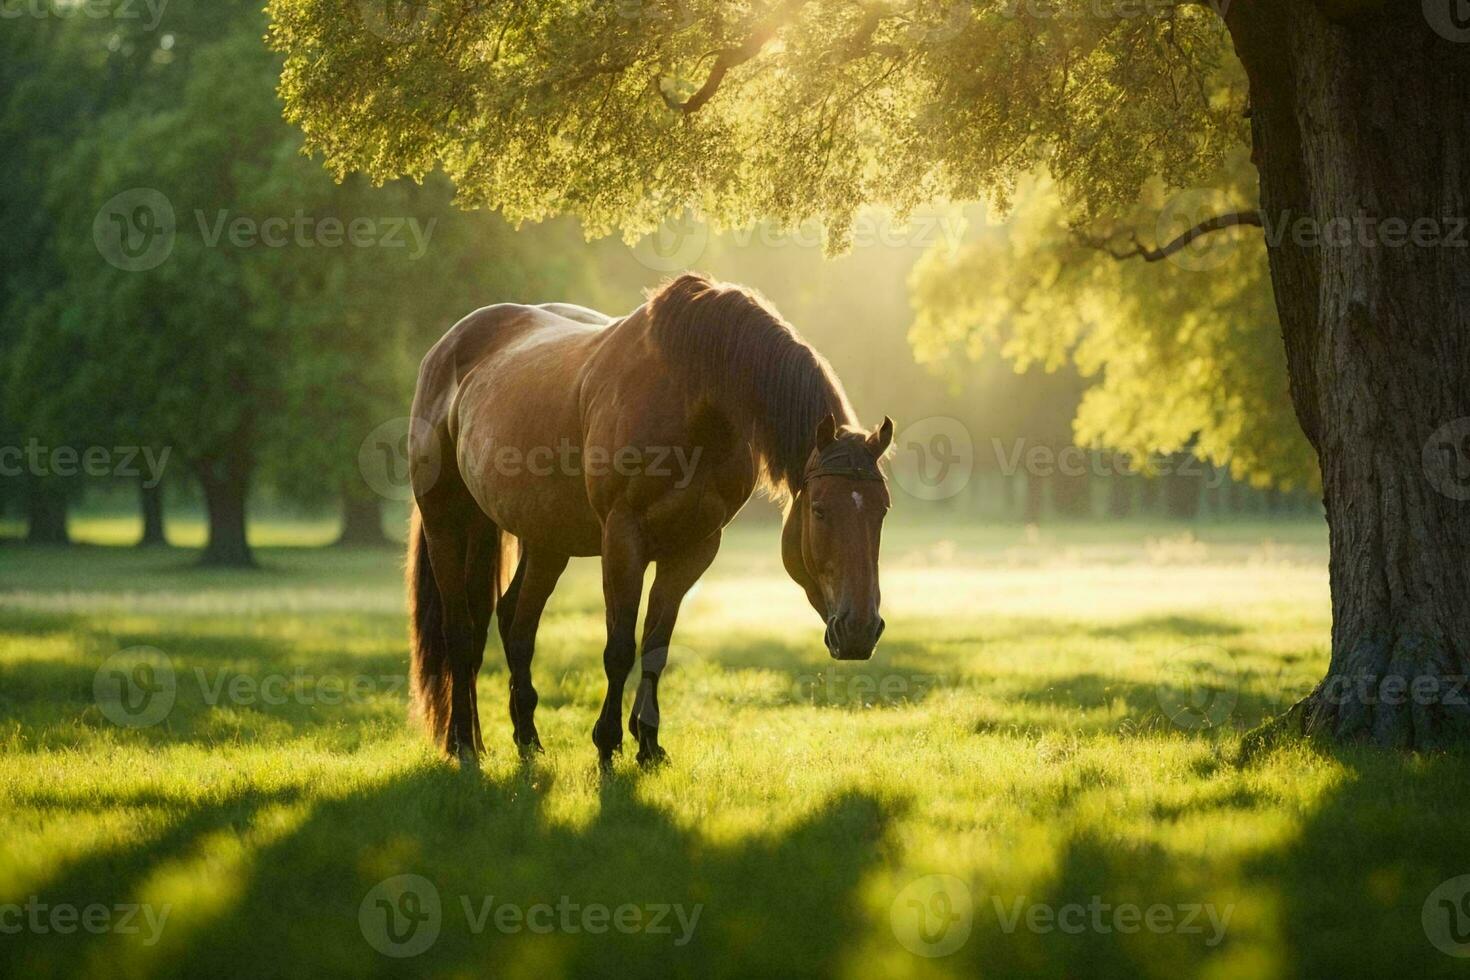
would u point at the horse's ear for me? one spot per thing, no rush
(881, 439)
(826, 432)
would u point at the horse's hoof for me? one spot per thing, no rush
(607, 747)
(531, 749)
(469, 761)
(652, 757)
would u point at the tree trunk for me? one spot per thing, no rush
(46, 510)
(1008, 494)
(1120, 495)
(1148, 494)
(1216, 496)
(1071, 492)
(362, 519)
(1235, 495)
(1182, 486)
(1034, 488)
(226, 487)
(1367, 114)
(151, 501)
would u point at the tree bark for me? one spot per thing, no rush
(226, 487)
(1120, 495)
(46, 516)
(151, 503)
(1148, 494)
(1035, 486)
(1366, 115)
(1182, 485)
(1235, 496)
(362, 520)
(1071, 494)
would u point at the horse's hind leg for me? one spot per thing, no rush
(483, 542)
(674, 577)
(448, 556)
(520, 615)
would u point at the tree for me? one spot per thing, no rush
(44, 74)
(1183, 352)
(1354, 109)
(150, 507)
(223, 297)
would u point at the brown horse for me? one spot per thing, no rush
(554, 431)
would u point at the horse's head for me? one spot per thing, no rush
(830, 541)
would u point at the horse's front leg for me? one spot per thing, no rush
(674, 577)
(623, 565)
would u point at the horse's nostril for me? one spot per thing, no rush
(881, 627)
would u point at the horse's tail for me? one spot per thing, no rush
(429, 673)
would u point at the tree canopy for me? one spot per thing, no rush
(191, 280)
(1185, 354)
(629, 113)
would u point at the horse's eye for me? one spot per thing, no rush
(818, 512)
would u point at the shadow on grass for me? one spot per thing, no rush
(782, 903)
(1089, 920)
(112, 877)
(96, 569)
(1190, 627)
(1354, 885)
(227, 684)
(1344, 896)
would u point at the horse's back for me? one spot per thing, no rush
(502, 385)
(571, 311)
(480, 337)
(555, 416)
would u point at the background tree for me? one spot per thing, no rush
(627, 114)
(1184, 353)
(222, 296)
(47, 80)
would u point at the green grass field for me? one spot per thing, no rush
(1037, 774)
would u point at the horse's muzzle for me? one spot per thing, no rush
(848, 639)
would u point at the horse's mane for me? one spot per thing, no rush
(753, 366)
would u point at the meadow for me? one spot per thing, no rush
(1039, 773)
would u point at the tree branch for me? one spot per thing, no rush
(729, 58)
(1138, 250)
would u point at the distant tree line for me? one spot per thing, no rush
(175, 274)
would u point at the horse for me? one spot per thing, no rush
(540, 433)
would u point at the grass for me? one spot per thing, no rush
(1046, 739)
